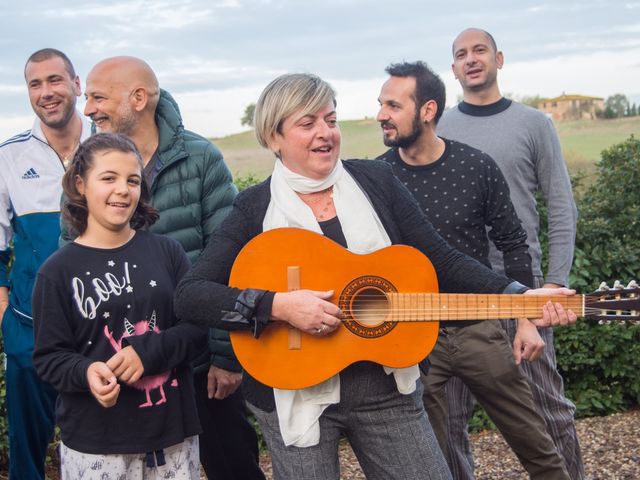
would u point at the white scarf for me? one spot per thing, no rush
(299, 410)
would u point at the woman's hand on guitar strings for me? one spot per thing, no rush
(307, 310)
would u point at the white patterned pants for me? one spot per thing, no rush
(182, 461)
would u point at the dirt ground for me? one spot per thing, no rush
(610, 450)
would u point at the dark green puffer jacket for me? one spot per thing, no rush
(193, 191)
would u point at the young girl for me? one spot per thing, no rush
(105, 334)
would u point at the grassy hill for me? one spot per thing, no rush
(582, 141)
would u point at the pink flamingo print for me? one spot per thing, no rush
(150, 382)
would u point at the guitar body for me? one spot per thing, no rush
(358, 282)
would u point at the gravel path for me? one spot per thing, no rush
(610, 449)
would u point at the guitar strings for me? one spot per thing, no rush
(461, 310)
(383, 314)
(527, 298)
(501, 295)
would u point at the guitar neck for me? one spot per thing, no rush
(456, 306)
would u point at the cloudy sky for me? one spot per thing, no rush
(215, 56)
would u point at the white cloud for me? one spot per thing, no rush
(357, 98)
(98, 44)
(634, 28)
(586, 44)
(566, 7)
(538, 8)
(197, 71)
(12, 88)
(142, 15)
(216, 113)
(11, 125)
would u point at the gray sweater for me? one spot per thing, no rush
(524, 143)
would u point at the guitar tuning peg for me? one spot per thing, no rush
(632, 284)
(617, 285)
(603, 287)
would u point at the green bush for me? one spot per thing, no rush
(600, 363)
(608, 240)
(600, 366)
(245, 181)
(480, 421)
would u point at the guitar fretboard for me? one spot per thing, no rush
(453, 306)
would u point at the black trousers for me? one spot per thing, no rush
(228, 442)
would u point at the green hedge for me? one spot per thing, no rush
(600, 363)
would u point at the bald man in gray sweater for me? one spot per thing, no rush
(525, 145)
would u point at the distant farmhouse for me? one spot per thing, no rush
(572, 107)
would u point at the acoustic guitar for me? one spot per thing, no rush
(390, 303)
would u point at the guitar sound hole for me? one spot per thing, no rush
(369, 307)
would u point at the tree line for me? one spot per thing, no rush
(615, 106)
(618, 106)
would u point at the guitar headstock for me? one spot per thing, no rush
(614, 303)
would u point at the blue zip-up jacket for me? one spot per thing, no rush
(30, 192)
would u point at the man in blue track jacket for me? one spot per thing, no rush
(31, 167)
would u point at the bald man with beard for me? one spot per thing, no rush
(193, 190)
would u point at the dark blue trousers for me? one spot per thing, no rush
(30, 402)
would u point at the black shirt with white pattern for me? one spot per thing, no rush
(461, 192)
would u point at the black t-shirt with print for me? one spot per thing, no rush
(89, 303)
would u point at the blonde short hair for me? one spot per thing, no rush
(290, 93)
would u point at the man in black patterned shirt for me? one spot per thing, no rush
(461, 190)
